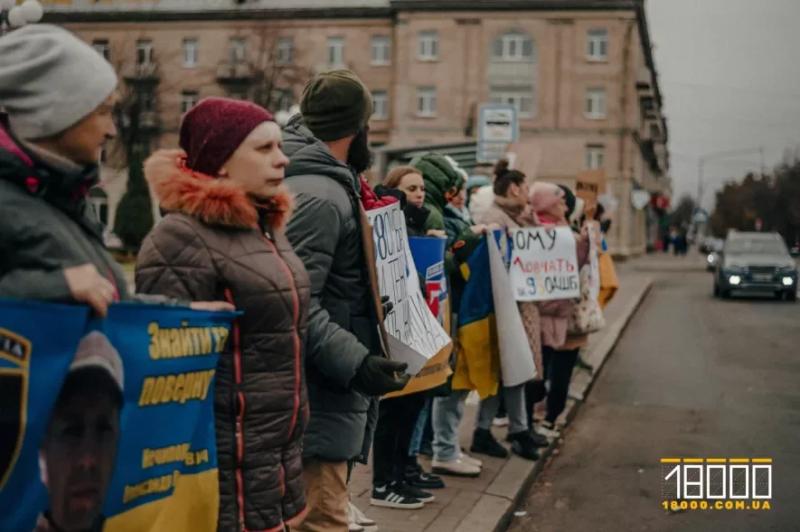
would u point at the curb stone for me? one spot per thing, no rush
(494, 510)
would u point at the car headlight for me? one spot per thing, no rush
(788, 281)
(734, 280)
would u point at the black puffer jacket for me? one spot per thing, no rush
(46, 225)
(216, 245)
(325, 231)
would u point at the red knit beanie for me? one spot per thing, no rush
(214, 128)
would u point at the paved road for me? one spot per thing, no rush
(692, 376)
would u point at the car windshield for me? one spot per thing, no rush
(755, 247)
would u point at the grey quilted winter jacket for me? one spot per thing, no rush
(216, 245)
(325, 231)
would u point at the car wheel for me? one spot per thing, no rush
(791, 296)
(726, 294)
(779, 296)
(716, 290)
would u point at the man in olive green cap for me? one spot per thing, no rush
(328, 148)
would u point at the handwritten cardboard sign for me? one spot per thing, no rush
(544, 264)
(414, 335)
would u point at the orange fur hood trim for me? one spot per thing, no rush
(214, 201)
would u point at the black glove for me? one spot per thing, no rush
(378, 375)
(399, 195)
(387, 305)
(536, 390)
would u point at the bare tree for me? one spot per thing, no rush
(276, 71)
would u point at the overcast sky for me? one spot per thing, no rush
(730, 75)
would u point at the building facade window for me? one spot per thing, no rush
(380, 105)
(190, 53)
(428, 46)
(595, 106)
(282, 99)
(285, 51)
(238, 94)
(381, 50)
(101, 47)
(595, 156)
(597, 45)
(147, 101)
(188, 100)
(512, 46)
(237, 50)
(426, 101)
(520, 98)
(144, 52)
(336, 51)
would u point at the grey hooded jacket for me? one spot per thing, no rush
(325, 232)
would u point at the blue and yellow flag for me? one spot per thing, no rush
(478, 359)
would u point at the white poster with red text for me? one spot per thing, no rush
(544, 264)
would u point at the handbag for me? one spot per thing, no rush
(587, 316)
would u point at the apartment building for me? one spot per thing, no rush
(580, 73)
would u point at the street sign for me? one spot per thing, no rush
(497, 128)
(640, 198)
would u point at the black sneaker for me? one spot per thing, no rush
(522, 445)
(414, 493)
(417, 477)
(483, 442)
(538, 439)
(389, 496)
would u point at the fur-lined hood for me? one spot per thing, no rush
(212, 200)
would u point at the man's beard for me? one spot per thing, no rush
(359, 157)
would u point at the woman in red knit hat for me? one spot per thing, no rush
(223, 237)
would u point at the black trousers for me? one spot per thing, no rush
(397, 418)
(558, 368)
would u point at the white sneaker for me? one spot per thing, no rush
(457, 468)
(500, 421)
(355, 515)
(471, 460)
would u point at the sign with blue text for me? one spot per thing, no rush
(108, 424)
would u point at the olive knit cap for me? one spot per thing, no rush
(335, 105)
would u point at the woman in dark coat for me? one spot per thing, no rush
(223, 238)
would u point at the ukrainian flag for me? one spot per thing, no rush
(478, 358)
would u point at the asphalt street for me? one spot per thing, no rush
(692, 376)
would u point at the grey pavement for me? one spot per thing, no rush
(691, 376)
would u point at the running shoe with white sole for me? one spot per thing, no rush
(457, 468)
(388, 496)
(356, 516)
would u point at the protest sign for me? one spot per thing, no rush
(428, 256)
(414, 334)
(544, 264)
(516, 357)
(108, 424)
(589, 184)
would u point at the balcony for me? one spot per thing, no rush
(229, 73)
(144, 73)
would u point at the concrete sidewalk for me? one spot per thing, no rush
(486, 503)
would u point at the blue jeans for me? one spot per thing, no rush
(447, 414)
(419, 429)
(514, 397)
